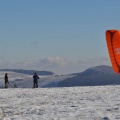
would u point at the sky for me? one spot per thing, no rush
(57, 35)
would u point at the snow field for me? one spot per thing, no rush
(26, 81)
(77, 103)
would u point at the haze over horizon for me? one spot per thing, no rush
(60, 36)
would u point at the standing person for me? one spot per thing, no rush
(35, 80)
(6, 80)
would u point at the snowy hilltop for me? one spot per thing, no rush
(25, 80)
(94, 76)
(29, 72)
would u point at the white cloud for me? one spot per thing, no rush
(56, 64)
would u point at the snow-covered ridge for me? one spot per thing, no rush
(95, 76)
(26, 80)
(29, 72)
(102, 69)
(99, 75)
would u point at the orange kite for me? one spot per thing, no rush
(113, 44)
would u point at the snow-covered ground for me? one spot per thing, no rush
(50, 103)
(72, 103)
(26, 81)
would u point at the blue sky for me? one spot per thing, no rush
(58, 31)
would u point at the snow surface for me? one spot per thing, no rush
(62, 103)
(72, 103)
(26, 81)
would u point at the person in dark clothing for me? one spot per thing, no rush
(35, 80)
(6, 80)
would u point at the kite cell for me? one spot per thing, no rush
(113, 44)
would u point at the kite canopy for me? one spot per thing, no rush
(113, 44)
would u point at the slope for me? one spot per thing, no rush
(95, 76)
(23, 80)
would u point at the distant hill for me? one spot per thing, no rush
(29, 72)
(95, 76)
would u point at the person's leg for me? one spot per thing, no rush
(33, 84)
(36, 84)
(5, 84)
